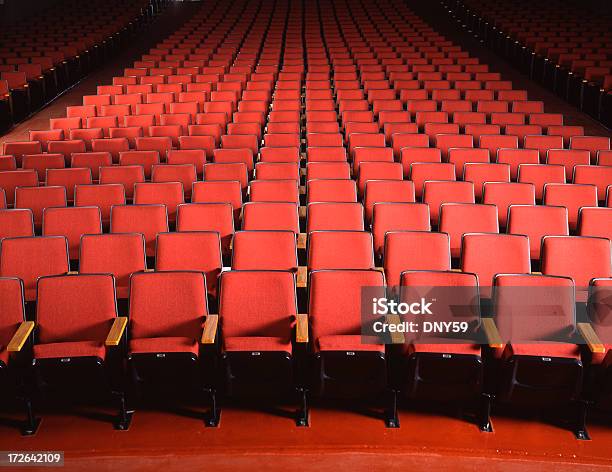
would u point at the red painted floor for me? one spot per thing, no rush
(350, 440)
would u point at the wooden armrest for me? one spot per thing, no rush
(396, 338)
(210, 329)
(302, 212)
(301, 241)
(301, 329)
(302, 190)
(592, 340)
(20, 336)
(302, 277)
(116, 331)
(379, 269)
(492, 334)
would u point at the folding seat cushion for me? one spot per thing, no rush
(222, 191)
(546, 119)
(326, 154)
(443, 367)
(243, 155)
(290, 128)
(327, 170)
(69, 178)
(335, 216)
(264, 250)
(171, 131)
(195, 157)
(568, 158)
(39, 198)
(157, 143)
(331, 190)
(103, 196)
(43, 137)
(277, 171)
(116, 110)
(543, 144)
(504, 194)
(600, 176)
(279, 154)
(83, 112)
(274, 191)
(87, 135)
(378, 171)
(144, 159)
(444, 142)
(486, 255)
(538, 338)
(270, 216)
(113, 145)
(461, 156)
(8, 163)
(72, 223)
(581, 258)
(437, 192)
(41, 162)
(353, 127)
(457, 219)
(367, 154)
(169, 194)
(63, 332)
(537, 222)
(64, 124)
(593, 144)
(414, 250)
(240, 142)
(21, 148)
(386, 191)
(10, 180)
(143, 121)
(128, 176)
(340, 250)
(572, 197)
(29, 258)
(495, 142)
(479, 173)
(282, 140)
(216, 217)
(128, 132)
(183, 173)
(103, 122)
(176, 118)
(423, 171)
(567, 132)
(66, 147)
(338, 291)
(148, 220)
(324, 140)
(257, 312)
(167, 321)
(522, 131)
(595, 222)
(198, 251)
(118, 254)
(316, 127)
(604, 158)
(16, 222)
(390, 129)
(539, 175)
(197, 142)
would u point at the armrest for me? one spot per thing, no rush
(396, 338)
(210, 329)
(302, 277)
(116, 331)
(301, 241)
(592, 340)
(492, 334)
(20, 337)
(301, 329)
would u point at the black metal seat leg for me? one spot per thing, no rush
(31, 424)
(213, 416)
(484, 413)
(580, 429)
(391, 416)
(124, 417)
(303, 412)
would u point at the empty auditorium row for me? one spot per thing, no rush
(214, 215)
(64, 42)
